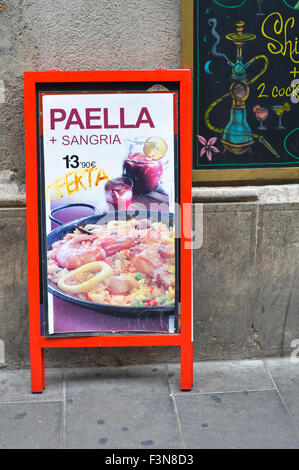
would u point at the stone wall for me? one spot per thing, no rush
(246, 298)
(245, 274)
(246, 284)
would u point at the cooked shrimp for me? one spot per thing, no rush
(113, 244)
(120, 285)
(165, 278)
(147, 261)
(78, 251)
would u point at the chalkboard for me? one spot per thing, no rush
(246, 84)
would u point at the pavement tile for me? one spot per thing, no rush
(224, 376)
(30, 425)
(233, 405)
(285, 373)
(240, 420)
(15, 386)
(123, 408)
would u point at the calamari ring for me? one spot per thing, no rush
(104, 271)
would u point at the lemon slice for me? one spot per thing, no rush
(286, 107)
(155, 147)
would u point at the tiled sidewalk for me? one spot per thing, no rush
(244, 404)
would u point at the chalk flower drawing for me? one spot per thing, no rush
(208, 146)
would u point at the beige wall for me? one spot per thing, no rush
(246, 283)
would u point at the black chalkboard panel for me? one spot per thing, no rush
(246, 84)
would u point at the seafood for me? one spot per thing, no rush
(165, 278)
(96, 271)
(114, 244)
(166, 250)
(121, 284)
(147, 262)
(78, 251)
(125, 263)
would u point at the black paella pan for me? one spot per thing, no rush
(102, 219)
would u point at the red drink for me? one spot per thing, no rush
(261, 114)
(143, 171)
(118, 192)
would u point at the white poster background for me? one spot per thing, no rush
(109, 156)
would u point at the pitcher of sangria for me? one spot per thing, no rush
(143, 163)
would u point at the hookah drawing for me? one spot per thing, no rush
(237, 136)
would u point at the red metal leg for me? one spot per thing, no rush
(43, 368)
(187, 366)
(37, 370)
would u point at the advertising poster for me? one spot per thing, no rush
(108, 193)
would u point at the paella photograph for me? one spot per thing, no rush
(108, 162)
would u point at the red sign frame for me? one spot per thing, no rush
(38, 342)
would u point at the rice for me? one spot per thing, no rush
(149, 290)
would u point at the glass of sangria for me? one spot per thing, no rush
(118, 192)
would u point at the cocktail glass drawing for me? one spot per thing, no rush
(261, 114)
(279, 110)
(259, 3)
